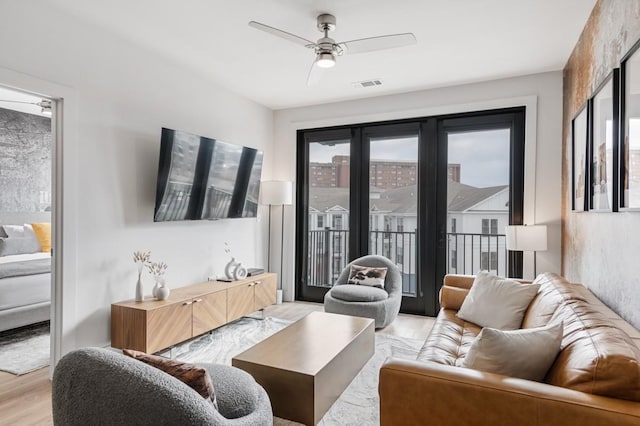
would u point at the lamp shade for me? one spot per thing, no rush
(526, 237)
(276, 193)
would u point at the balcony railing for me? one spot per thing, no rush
(466, 254)
(470, 253)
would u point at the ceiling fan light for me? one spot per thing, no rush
(325, 60)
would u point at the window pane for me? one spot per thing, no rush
(328, 198)
(393, 170)
(478, 183)
(631, 151)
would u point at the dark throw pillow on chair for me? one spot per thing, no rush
(197, 378)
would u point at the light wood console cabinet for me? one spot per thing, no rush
(152, 325)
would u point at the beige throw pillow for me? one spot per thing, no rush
(497, 302)
(527, 353)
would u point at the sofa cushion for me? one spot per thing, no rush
(554, 290)
(497, 303)
(358, 293)
(596, 357)
(526, 354)
(449, 340)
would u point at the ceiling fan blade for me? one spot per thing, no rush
(282, 34)
(315, 74)
(378, 43)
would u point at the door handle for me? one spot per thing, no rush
(257, 282)
(187, 303)
(197, 300)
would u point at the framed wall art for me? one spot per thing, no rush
(630, 130)
(579, 144)
(603, 147)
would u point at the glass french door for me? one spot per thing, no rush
(484, 192)
(397, 189)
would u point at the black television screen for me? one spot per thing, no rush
(204, 178)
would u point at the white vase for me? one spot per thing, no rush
(160, 290)
(163, 293)
(159, 283)
(139, 290)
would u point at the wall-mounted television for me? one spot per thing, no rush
(204, 178)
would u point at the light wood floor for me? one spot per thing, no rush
(26, 400)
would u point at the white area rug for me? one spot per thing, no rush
(358, 404)
(25, 349)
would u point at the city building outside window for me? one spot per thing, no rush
(490, 226)
(453, 225)
(320, 222)
(489, 261)
(337, 221)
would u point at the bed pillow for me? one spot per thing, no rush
(43, 233)
(12, 246)
(526, 354)
(197, 378)
(14, 231)
(497, 302)
(364, 275)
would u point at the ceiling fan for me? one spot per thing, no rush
(327, 49)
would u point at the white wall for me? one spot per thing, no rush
(123, 95)
(541, 93)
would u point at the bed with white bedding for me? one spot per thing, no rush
(25, 289)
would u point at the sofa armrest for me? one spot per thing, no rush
(425, 393)
(460, 281)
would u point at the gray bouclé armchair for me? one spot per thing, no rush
(363, 301)
(96, 386)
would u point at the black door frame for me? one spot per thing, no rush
(432, 175)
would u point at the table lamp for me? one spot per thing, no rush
(527, 238)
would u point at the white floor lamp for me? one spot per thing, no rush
(527, 238)
(276, 193)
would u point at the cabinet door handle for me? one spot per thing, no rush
(187, 303)
(257, 282)
(251, 284)
(197, 300)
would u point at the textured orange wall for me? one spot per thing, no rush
(600, 250)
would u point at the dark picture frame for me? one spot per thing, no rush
(579, 152)
(603, 144)
(629, 142)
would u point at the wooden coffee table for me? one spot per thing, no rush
(306, 366)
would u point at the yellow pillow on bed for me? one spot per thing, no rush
(43, 232)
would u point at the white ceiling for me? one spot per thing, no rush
(459, 41)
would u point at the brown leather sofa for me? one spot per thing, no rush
(595, 380)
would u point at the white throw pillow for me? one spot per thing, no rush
(14, 231)
(497, 302)
(527, 353)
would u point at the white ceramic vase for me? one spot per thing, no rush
(139, 290)
(163, 293)
(160, 290)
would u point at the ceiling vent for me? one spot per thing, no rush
(367, 83)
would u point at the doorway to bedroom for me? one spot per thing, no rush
(26, 186)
